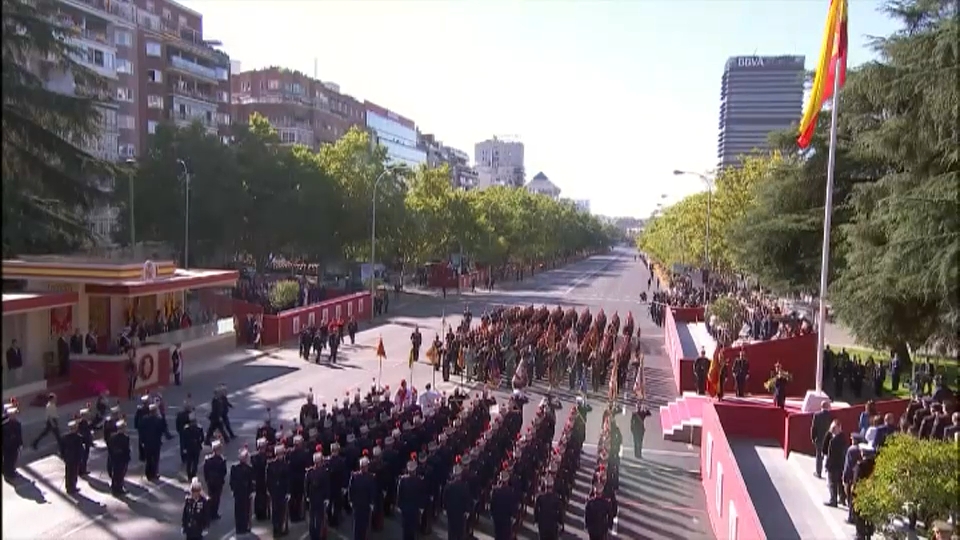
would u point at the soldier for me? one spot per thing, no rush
(410, 493)
(151, 438)
(504, 505)
(548, 511)
(85, 430)
(278, 485)
(261, 497)
(352, 328)
(12, 440)
(267, 432)
(700, 367)
(309, 414)
(362, 490)
(191, 445)
(317, 489)
(119, 456)
(215, 475)
(597, 515)
(225, 407)
(458, 502)
(741, 372)
(638, 429)
(109, 428)
(143, 410)
(242, 486)
(72, 455)
(298, 461)
(338, 480)
(195, 513)
(416, 341)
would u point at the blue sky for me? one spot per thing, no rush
(609, 97)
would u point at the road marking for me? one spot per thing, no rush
(90, 521)
(585, 277)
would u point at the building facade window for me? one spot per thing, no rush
(124, 66)
(124, 94)
(153, 49)
(154, 75)
(151, 126)
(273, 84)
(223, 73)
(127, 150)
(122, 38)
(125, 121)
(182, 20)
(155, 102)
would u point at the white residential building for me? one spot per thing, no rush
(499, 162)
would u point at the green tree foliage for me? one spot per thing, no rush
(284, 294)
(256, 197)
(49, 180)
(918, 472)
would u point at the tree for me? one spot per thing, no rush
(50, 180)
(914, 472)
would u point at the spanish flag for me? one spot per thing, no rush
(831, 64)
(713, 375)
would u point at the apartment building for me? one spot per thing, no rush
(397, 133)
(159, 68)
(462, 175)
(541, 185)
(499, 162)
(303, 109)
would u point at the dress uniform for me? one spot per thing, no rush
(278, 486)
(12, 441)
(504, 505)
(109, 428)
(362, 491)
(191, 446)
(298, 462)
(338, 481)
(85, 430)
(548, 511)
(215, 475)
(72, 456)
(458, 503)
(317, 489)
(195, 513)
(410, 491)
(119, 455)
(242, 486)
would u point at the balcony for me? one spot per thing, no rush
(192, 68)
(191, 40)
(191, 92)
(103, 8)
(184, 120)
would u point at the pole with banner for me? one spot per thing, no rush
(829, 79)
(381, 355)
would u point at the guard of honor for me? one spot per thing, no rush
(602, 506)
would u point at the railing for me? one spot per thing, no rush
(184, 117)
(192, 67)
(193, 93)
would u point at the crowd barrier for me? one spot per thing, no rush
(797, 429)
(90, 374)
(729, 506)
(286, 325)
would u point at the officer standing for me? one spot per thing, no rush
(242, 486)
(72, 454)
(458, 503)
(278, 485)
(338, 480)
(298, 462)
(191, 445)
(504, 505)
(700, 367)
(362, 492)
(215, 475)
(143, 410)
(318, 495)
(12, 441)
(109, 428)
(548, 511)
(151, 437)
(410, 492)
(261, 497)
(85, 431)
(195, 513)
(119, 455)
(741, 372)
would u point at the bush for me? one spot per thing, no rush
(920, 473)
(284, 295)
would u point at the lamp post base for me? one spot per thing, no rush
(814, 400)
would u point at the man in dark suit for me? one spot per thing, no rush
(950, 431)
(835, 447)
(819, 428)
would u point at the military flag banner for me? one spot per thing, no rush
(831, 69)
(381, 352)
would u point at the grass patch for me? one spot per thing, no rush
(950, 366)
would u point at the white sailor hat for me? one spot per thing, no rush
(84, 412)
(11, 410)
(396, 433)
(244, 453)
(388, 441)
(115, 409)
(318, 456)
(279, 449)
(153, 406)
(121, 423)
(351, 438)
(580, 401)
(72, 424)
(432, 446)
(195, 484)
(335, 447)
(443, 438)
(456, 423)
(216, 445)
(364, 462)
(412, 466)
(377, 451)
(364, 430)
(145, 398)
(262, 442)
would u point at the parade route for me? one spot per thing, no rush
(660, 495)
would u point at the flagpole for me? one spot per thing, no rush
(827, 216)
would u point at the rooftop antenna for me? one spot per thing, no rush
(315, 67)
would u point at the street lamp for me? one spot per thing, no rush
(133, 227)
(708, 180)
(373, 238)
(186, 213)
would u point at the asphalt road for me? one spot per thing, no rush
(660, 494)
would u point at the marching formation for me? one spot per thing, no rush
(372, 455)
